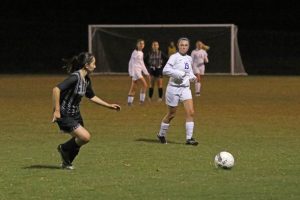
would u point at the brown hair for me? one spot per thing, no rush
(78, 62)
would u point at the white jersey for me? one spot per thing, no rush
(136, 63)
(199, 57)
(179, 68)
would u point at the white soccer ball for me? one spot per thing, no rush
(224, 160)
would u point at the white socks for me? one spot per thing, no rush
(197, 87)
(130, 99)
(163, 129)
(142, 97)
(189, 127)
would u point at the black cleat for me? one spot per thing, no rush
(65, 158)
(162, 139)
(191, 141)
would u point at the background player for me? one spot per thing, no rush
(179, 69)
(136, 69)
(171, 49)
(199, 57)
(155, 60)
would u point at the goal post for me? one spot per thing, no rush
(112, 45)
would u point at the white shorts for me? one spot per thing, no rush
(136, 74)
(174, 95)
(199, 70)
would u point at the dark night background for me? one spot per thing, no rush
(35, 35)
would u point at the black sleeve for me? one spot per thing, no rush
(89, 91)
(68, 83)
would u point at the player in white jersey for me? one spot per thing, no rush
(200, 57)
(136, 69)
(179, 69)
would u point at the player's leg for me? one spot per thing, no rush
(189, 124)
(172, 100)
(197, 84)
(68, 124)
(70, 149)
(164, 126)
(131, 92)
(160, 88)
(144, 86)
(152, 81)
(186, 98)
(199, 79)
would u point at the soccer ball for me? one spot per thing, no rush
(224, 160)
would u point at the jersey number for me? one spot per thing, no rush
(186, 66)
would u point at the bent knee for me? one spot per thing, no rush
(171, 116)
(85, 138)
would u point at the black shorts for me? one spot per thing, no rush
(156, 72)
(68, 123)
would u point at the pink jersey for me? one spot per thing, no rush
(136, 62)
(199, 57)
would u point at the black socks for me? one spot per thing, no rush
(72, 148)
(160, 92)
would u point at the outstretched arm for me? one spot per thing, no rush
(100, 102)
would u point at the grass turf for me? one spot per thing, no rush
(255, 118)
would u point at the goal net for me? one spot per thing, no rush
(112, 45)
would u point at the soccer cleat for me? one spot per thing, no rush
(191, 141)
(162, 139)
(197, 95)
(65, 158)
(159, 100)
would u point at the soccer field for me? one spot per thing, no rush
(256, 118)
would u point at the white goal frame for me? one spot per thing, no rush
(231, 26)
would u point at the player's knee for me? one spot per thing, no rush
(85, 138)
(171, 115)
(145, 86)
(191, 113)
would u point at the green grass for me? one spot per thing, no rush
(255, 118)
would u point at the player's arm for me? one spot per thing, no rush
(170, 70)
(192, 76)
(91, 95)
(206, 59)
(100, 102)
(67, 83)
(130, 67)
(56, 104)
(142, 63)
(190, 73)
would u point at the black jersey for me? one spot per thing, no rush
(155, 59)
(72, 90)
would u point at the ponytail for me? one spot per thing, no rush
(77, 62)
(205, 47)
(202, 45)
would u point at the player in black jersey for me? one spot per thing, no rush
(66, 99)
(155, 60)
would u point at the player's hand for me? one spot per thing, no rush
(193, 79)
(56, 116)
(115, 107)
